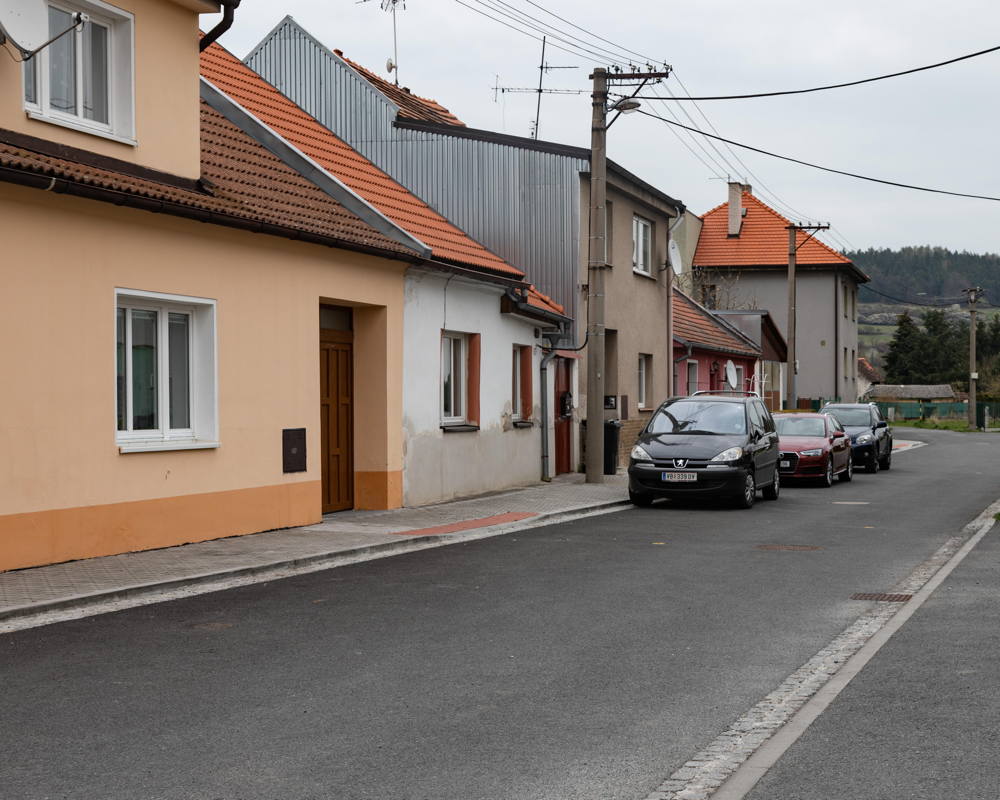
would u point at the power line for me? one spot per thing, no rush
(866, 287)
(843, 85)
(818, 166)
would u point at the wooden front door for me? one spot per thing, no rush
(336, 376)
(563, 415)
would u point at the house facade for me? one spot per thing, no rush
(741, 262)
(522, 198)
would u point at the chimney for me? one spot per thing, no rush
(736, 207)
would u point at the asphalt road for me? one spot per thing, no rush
(583, 660)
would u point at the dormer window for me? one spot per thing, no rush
(83, 80)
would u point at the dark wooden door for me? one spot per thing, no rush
(336, 376)
(563, 415)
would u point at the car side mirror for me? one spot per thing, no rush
(881, 424)
(839, 434)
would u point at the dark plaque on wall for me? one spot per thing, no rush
(293, 450)
(611, 401)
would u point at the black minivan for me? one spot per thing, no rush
(706, 445)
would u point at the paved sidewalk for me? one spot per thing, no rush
(33, 596)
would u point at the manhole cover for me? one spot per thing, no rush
(882, 597)
(789, 547)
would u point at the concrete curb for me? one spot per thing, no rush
(218, 580)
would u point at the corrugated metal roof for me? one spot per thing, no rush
(253, 93)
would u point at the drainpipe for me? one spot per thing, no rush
(671, 389)
(228, 10)
(544, 381)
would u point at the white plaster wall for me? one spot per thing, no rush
(439, 466)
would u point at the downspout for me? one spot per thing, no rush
(671, 389)
(228, 10)
(836, 336)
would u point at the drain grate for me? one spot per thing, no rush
(882, 597)
(789, 547)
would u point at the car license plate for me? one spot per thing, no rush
(679, 477)
(785, 464)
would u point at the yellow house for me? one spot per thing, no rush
(197, 341)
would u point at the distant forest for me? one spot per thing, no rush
(926, 274)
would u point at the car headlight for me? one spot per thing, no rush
(638, 454)
(732, 454)
(817, 452)
(864, 438)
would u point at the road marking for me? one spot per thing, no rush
(902, 445)
(851, 503)
(732, 764)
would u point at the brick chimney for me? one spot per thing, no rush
(736, 210)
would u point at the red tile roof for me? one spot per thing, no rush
(543, 301)
(411, 106)
(448, 243)
(695, 325)
(763, 240)
(243, 185)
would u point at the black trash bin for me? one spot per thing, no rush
(612, 435)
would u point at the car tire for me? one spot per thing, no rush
(771, 492)
(745, 499)
(873, 464)
(827, 480)
(641, 500)
(848, 474)
(886, 463)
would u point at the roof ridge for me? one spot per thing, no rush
(782, 217)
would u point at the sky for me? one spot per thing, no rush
(937, 129)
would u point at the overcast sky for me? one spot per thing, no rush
(938, 129)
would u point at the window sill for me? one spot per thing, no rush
(459, 427)
(643, 274)
(160, 445)
(82, 127)
(523, 423)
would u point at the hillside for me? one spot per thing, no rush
(926, 274)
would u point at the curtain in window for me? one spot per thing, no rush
(62, 62)
(144, 383)
(95, 72)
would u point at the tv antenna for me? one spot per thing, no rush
(543, 68)
(392, 64)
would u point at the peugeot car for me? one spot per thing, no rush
(871, 436)
(706, 445)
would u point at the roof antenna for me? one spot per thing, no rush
(392, 64)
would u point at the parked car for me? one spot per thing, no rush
(871, 436)
(706, 445)
(813, 446)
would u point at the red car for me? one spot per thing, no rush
(813, 446)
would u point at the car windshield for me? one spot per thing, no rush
(800, 426)
(857, 417)
(695, 416)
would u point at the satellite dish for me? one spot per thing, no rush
(675, 257)
(731, 374)
(25, 23)
(389, 65)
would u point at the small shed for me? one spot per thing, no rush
(909, 392)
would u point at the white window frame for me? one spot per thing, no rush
(642, 395)
(740, 378)
(642, 258)
(459, 415)
(203, 377)
(691, 363)
(121, 75)
(515, 381)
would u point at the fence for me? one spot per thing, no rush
(987, 414)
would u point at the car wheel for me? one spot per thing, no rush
(886, 463)
(771, 492)
(745, 498)
(848, 474)
(873, 464)
(641, 500)
(827, 479)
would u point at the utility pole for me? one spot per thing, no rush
(974, 295)
(597, 255)
(791, 374)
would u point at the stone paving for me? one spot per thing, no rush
(30, 591)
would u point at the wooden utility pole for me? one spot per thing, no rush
(973, 373)
(791, 374)
(597, 256)
(597, 262)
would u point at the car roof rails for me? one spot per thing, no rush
(747, 393)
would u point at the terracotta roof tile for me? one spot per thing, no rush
(448, 243)
(245, 182)
(543, 301)
(763, 240)
(410, 105)
(695, 324)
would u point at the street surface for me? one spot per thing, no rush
(585, 660)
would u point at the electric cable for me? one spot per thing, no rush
(820, 167)
(866, 287)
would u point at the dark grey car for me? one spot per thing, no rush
(871, 436)
(706, 446)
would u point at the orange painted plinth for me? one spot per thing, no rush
(67, 534)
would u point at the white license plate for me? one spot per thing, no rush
(679, 477)
(785, 464)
